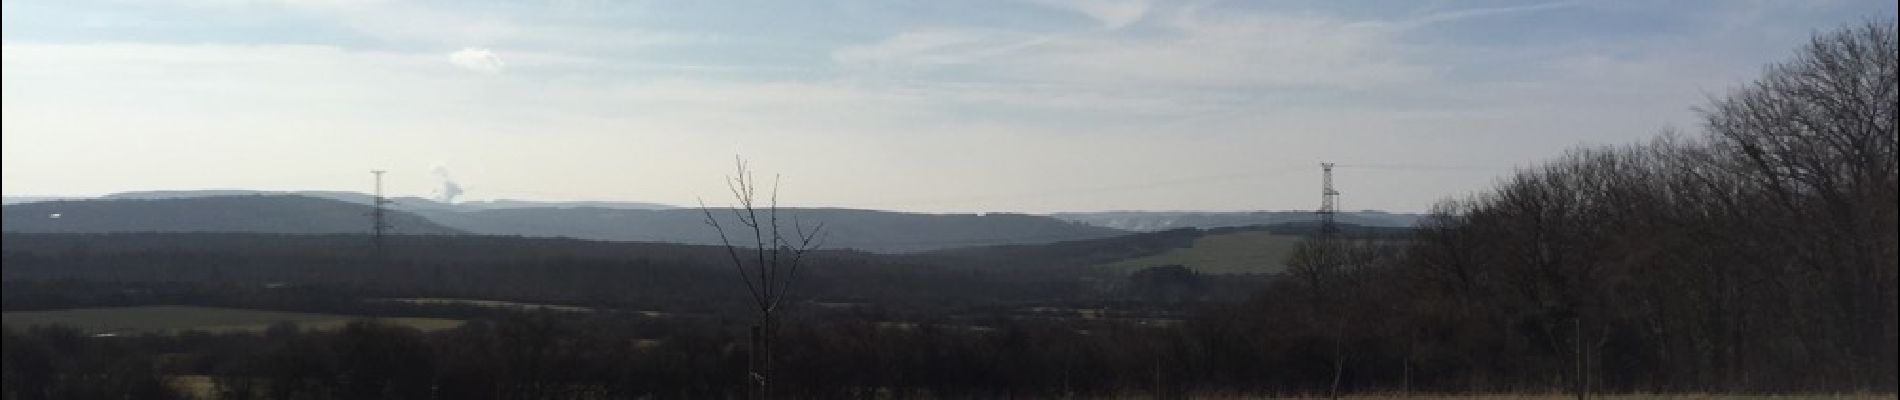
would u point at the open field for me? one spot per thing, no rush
(201, 386)
(1567, 396)
(1239, 252)
(491, 304)
(174, 319)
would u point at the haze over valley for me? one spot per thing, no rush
(838, 199)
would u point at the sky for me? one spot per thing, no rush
(932, 106)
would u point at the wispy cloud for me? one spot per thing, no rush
(411, 23)
(1478, 12)
(476, 59)
(1194, 49)
(935, 47)
(1112, 14)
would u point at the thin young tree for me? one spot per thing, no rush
(1330, 269)
(770, 268)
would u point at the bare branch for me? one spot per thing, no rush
(730, 251)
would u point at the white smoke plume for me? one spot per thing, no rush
(449, 190)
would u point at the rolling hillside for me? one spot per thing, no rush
(1149, 221)
(408, 203)
(868, 230)
(334, 212)
(1243, 250)
(877, 231)
(1239, 251)
(252, 213)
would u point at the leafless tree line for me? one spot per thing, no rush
(1759, 256)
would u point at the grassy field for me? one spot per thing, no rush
(1239, 252)
(174, 319)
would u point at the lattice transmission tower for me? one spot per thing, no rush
(1328, 203)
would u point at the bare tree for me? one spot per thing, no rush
(771, 268)
(1818, 134)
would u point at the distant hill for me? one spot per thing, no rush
(1149, 221)
(1246, 250)
(335, 212)
(401, 203)
(1227, 251)
(505, 203)
(877, 231)
(1069, 255)
(868, 230)
(11, 200)
(245, 213)
(1233, 250)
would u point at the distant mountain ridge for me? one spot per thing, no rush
(332, 212)
(247, 213)
(869, 230)
(1151, 221)
(878, 231)
(402, 202)
(11, 200)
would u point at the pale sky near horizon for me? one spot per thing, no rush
(941, 106)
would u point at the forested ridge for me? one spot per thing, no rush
(323, 213)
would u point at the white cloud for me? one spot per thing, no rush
(935, 47)
(1234, 50)
(437, 25)
(476, 59)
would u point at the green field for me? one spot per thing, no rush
(175, 319)
(1238, 252)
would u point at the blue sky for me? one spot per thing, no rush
(1045, 105)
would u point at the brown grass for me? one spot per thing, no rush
(1567, 396)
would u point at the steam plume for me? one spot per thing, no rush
(449, 189)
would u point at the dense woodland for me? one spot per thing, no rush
(1757, 256)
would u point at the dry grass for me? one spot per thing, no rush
(196, 387)
(1567, 396)
(203, 387)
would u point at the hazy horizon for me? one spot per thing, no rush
(399, 206)
(1010, 106)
